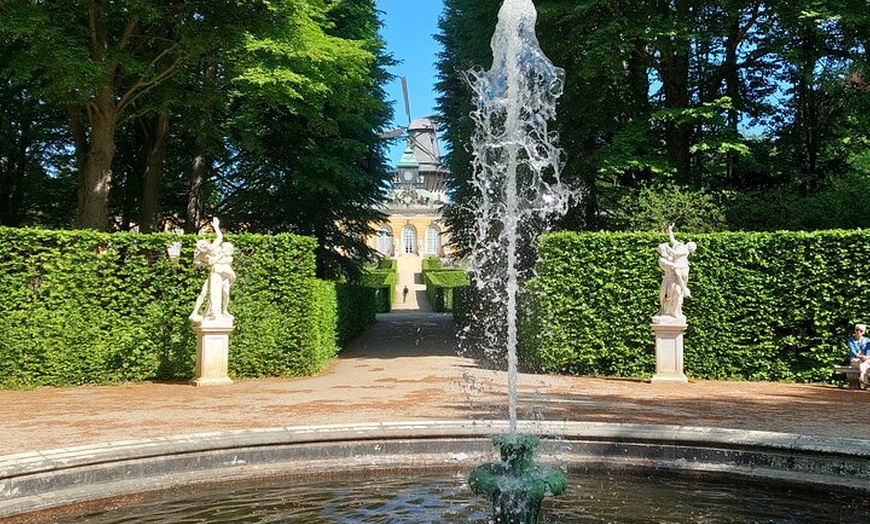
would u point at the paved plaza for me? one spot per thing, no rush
(406, 368)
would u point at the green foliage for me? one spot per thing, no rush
(306, 109)
(672, 92)
(764, 306)
(840, 205)
(84, 307)
(278, 106)
(441, 283)
(28, 130)
(653, 207)
(383, 281)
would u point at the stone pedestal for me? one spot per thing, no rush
(212, 352)
(669, 352)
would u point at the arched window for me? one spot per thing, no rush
(385, 241)
(433, 241)
(409, 240)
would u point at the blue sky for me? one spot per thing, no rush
(409, 26)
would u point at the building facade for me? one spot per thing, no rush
(415, 226)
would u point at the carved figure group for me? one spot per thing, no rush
(218, 256)
(674, 262)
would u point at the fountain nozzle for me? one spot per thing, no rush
(516, 486)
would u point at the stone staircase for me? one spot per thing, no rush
(410, 269)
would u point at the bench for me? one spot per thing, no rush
(851, 375)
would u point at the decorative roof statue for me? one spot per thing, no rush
(218, 255)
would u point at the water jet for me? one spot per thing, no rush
(516, 177)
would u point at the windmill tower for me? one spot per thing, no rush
(421, 138)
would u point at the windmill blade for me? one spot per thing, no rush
(405, 94)
(418, 145)
(393, 133)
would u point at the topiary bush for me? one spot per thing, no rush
(440, 286)
(383, 281)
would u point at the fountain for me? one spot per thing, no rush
(516, 180)
(516, 486)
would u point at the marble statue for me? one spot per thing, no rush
(674, 262)
(218, 256)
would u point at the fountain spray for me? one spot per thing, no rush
(516, 170)
(516, 180)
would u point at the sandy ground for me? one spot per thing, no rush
(406, 368)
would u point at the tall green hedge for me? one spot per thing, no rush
(357, 307)
(85, 307)
(440, 286)
(383, 281)
(441, 283)
(764, 306)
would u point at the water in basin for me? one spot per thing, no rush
(442, 496)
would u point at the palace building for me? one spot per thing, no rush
(414, 226)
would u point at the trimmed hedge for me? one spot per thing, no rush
(440, 287)
(81, 307)
(431, 264)
(357, 307)
(764, 306)
(390, 264)
(383, 281)
(442, 283)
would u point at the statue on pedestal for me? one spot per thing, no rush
(218, 256)
(674, 262)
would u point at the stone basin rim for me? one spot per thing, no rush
(36, 480)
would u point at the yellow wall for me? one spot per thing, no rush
(420, 224)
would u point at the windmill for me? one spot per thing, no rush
(417, 192)
(421, 135)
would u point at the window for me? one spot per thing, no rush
(433, 241)
(385, 241)
(409, 240)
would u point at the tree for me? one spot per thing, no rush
(31, 138)
(307, 110)
(100, 58)
(465, 31)
(817, 51)
(703, 96)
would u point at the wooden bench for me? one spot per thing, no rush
(851, 375)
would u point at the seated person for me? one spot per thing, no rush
(859, 347)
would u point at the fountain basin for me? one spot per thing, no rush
(39, 480)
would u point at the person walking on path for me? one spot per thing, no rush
(405, 294)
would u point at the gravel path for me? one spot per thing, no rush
(406, 368)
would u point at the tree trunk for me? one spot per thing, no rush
(15, 173)
(807, 116)
(732, 89)
(638, 80)
(674, 70)
(199, 172)
(82, 146)
(678, 137)
(80, 137)
(155, 159)
(198, 176)
(92, 211)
